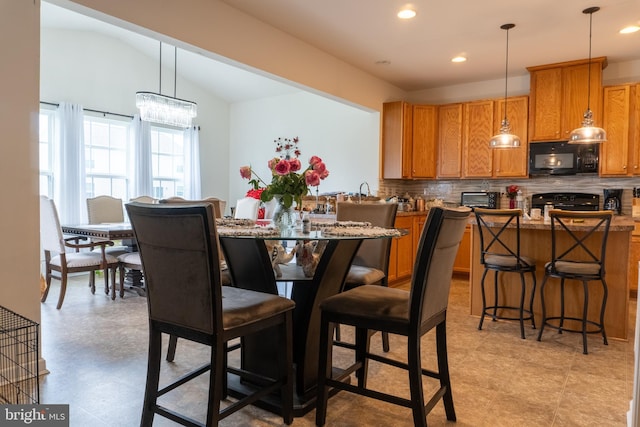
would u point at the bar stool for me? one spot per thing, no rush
(501, 255)
(578, 248)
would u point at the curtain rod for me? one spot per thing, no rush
(54, 104)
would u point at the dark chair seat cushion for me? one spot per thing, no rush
(371, 302)
(241, 306)
(506, 260)
(361, 275)
(577, 268)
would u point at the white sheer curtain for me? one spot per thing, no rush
(192, 163)
(140, 166)
(69, 164)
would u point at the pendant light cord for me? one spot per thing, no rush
(589, 72)
(160, 79)
(175, 70)
(506, 76)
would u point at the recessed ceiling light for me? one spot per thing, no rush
(406, 13)
(383, 62)
(459, 58)
(630, 29)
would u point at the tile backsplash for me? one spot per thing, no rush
(449, 190)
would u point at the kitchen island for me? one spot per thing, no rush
(535, 240)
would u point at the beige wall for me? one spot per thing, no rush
(19, 109)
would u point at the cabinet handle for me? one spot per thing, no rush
(624, 166)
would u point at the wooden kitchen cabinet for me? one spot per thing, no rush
(450, 140)
(402, 253)
(620, 155)
(425, 141)
(462, 263)
(418, 225)
(512, 162)
(478, 130)
(634, 258)
(397, 139)
(482, 120)
(409, 140)
(558, 97)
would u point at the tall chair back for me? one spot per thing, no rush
(179, 251)
(410, 314)
(102, 209)
(247, 208)
(373, 253)
(218, 204)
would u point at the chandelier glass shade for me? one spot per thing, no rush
(158, 108)
(588, 133)
(163, 109)
(505, 139)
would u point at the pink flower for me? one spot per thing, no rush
(245, 172)
(273, 162)
(294, 165)
(283, 167)
(314, 159)
(312, 178)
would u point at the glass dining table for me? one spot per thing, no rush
(250, 266)
(245, 246)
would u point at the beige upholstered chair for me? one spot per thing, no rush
(408, 313)
(247, 208)
(371, 263)
(144, 199)
(179, 251)
(101, 209)
(218, 205)
(59, 263)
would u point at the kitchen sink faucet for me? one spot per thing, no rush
(360, 191)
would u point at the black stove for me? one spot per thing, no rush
(567, 201)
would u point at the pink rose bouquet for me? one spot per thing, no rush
(288, 180)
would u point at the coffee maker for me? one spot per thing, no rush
(613, 200)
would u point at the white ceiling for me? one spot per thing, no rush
(363, 32)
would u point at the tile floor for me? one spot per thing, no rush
(95, 350)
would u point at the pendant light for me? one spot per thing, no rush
(505, 139)
(159, 108)
(588, 133)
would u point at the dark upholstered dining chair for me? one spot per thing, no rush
(371, 263)
(179, 250)
(409, 313)
(577, 254)
(500, 255)
(59, 263)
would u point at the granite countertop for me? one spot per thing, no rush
(619, 223)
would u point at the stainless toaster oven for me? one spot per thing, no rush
(480, 199)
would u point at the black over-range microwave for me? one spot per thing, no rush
(562, 158)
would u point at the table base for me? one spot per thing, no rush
(301, 404)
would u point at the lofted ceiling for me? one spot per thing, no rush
(410, 54)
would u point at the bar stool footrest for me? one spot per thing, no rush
(575, 319)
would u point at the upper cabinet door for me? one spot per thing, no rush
(512, 162)
(478, 130)
(397, 133)
(450, 141)
(425, 140)
(559, 97)
(614, 153)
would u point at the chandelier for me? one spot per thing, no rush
(163, 109)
